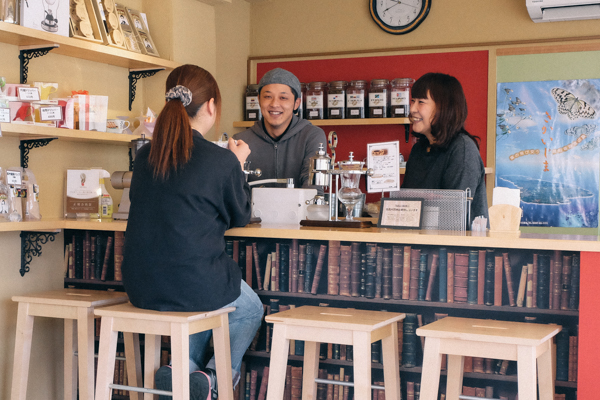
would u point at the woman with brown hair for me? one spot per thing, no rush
(185, 193)
(445, 156)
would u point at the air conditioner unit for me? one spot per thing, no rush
(562, 10)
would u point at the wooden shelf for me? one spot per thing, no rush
(55, 225)
(28, 132)
(340, 122)
(72, 47)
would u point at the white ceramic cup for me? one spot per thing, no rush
(116, 125)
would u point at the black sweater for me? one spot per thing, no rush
(174, 256)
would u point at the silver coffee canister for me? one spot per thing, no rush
(320, 164)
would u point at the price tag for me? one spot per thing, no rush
(5, 115)
(51, 113)
(29, 94)
(13, 177)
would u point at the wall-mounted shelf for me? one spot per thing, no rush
(54, 225)
(340, 122)
(26, 132)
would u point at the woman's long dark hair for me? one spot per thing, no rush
(450, 106)
(172, 141)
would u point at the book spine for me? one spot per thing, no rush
(345, 260)
(557, 279)
(262, 392)
(480, 276)
(333, 274)
(566, 283)
(106, 262)
(92, 257)
(432, 274)
(242, 258)
(355, 270)
(472, 287)
(371, 266)
(574, 289)
(99, 256)
(319, 269)
(249, 265)
(535, 281)
(363, 274)
(86, 255)
(415, 258)
(301, 267)
(386, 289)
(267, 280)
(284, 260)
(118, 255)
(253, 379)
(522, 286)
(235, 251)
(422, 291)
(443, 273)
(498, 261)
(562, 355)
(294, 266)
(509, 281)
(488, 294)
(257, 265)
(397, 265)
(406, 273)
(274, 271)
(450, 277)
(229, 248)
(378, 272)
(543, 283)
(296, 383)
(461, 277)
(529, 288)
(409, 341)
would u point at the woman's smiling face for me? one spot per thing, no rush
(422, 113)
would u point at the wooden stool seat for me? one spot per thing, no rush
(154, 324)
(76, 307)
(523, 342)
(315, 325)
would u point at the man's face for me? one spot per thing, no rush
(277, 106)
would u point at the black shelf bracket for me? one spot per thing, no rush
(27, 53)
(27, 145)
(134, 76)
(31, 245)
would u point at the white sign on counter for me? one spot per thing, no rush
(383, 158)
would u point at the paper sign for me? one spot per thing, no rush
(400, 213)
(29, 93)
(51, 113)
(13, 177)
(4, 114)
(383, 158)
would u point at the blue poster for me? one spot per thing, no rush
(547, 145)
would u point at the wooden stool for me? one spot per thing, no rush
(179, 325)
(76, 307)
(315, 325)
(460, 337)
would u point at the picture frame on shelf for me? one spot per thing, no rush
(108, 19)
(83, 23)
(138, 24)
(130, 37)
(399, 213)
(45, 15)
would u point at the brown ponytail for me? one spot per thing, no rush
(172, 142)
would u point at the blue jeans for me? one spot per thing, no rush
(243, 324)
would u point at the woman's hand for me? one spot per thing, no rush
(240, 149)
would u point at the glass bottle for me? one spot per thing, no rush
(400, 97)
(252, 107)
(336, 100)
(315, 100)
(4, 199)
(350, 194)
(378, 98)
(106, 202)
(355, 99)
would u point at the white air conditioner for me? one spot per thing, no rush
(562, 10)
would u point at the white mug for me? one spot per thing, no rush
(116, 125)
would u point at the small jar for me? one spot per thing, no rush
(355, 99)
(315, 100)
(336, 100)
(252, 108)
(378, 98)
(302, 107)
(400, 97)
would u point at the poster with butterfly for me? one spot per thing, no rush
(548, 146)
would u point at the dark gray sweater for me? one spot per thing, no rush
(289, 157)
(459, 166)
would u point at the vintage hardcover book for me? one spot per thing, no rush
(422, 288)
(529, 287)
(336, 388)
(363, 274)
(72, 260)
(397, 264)
(566, 282)
(378, 272)
(468, 390)
(535, 280)
(294, 266)
(229, 248)
(371, 270)
(461, 273)
(543, 284)
(299, 347)
(409, 341)
(284, 259)
(488, 290)
(335, 351)
(259, 283)
(410, 390)
(99, 255)
(235, 251)
(296, 383)
(330, 387)
(267, 279)
(443, 273)
(345, 261)
(78, 253)
(509, 281)
(480, 276)
(274, 271)
(277, 265)
(333, 273)
(435, 260)
(249, 265)
(522, 286)
(557, 280)
(386, 288)
(406, 273)
(253, 379)
(355, 270)
(319, 269)
(450, 278)
(376, 352)
(322, 387)
(346, 389)
(562, 355)
(86, 255)
(468, 367)
(479, 392)
(242, 258)
(478, 365)
(498, 261)
(473, 274)
(66, 261)
(488, 365)
(107, 258)
(415, 258)
(574, 289)
(301, 267)
(92, 257)
(262, 392)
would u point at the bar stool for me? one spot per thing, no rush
(517, 341)
(76, 307)
(315, 325)
(154, 324)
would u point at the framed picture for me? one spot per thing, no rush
(400, 213)
(83, 23)
(130, 38)
(138, 25)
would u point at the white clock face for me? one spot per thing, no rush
(398, 12)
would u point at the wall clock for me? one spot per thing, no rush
(399, 16)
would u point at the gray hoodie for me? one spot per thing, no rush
(287, 158)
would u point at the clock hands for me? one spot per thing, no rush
(400, 2)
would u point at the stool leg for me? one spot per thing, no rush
(85, 352)
(280, 347)
(310, 371)
(180, 360)
(526, 373)
(22, 353)
(391, 367)
(151, 361)
(430, 375)
(133, 362)
(545, 381)
(70, 360)
(223, 358)
(456, 365)
(361, 348)
(106, 359)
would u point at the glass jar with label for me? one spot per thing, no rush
(336, 100)
(400, 97)
(315, 100)
(302, 107)
(355, 99)
(252, 107)
(378, 98)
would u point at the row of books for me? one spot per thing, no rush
(546, 280)
(94, 255)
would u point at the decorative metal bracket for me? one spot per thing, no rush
(134, 75)
(27, 53)
(31, 245)
(27, 145)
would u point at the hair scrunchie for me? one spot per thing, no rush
(180, 92)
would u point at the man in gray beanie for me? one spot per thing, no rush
(281, 143)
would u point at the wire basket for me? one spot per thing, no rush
(442, 209)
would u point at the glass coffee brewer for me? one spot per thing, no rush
(321, 174)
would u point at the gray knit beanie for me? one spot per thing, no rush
(281, 76)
